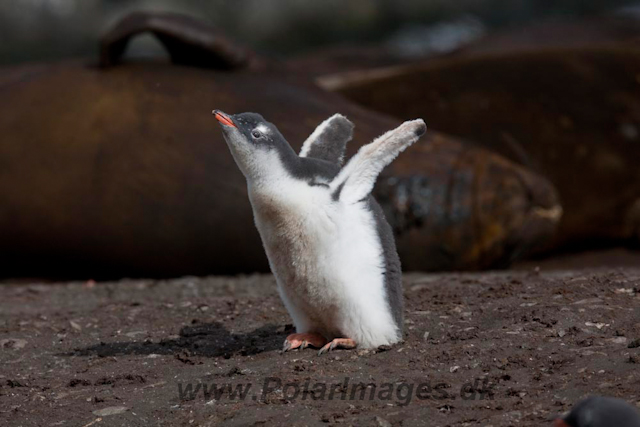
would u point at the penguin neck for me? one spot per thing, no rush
(287, 156)
(273, 167)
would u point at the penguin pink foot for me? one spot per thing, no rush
(346, 343)
(303, 341)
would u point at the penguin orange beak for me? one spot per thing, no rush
(223, 118)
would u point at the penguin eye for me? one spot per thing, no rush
(256, 133)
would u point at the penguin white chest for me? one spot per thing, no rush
(328, 262)
(297, 229)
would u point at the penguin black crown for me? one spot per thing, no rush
(329, 246)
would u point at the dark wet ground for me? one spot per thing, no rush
(488, 349)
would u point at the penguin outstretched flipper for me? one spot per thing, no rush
(329, 140)
(357, 178)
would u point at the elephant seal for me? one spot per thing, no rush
(112, 171)
(570, 114)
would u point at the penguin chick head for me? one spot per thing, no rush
(253, 141)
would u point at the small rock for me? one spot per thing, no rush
(234, 371)
(14, 383)
(382, 422)
(454, 369)
(597, 325)
(112, 410)
(619, 340)
(514, 414)
(75, 325)
(588, 301)
(133, 334)
(13, 343)
(425, 336)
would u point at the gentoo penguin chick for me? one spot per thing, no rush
(329, 246)
(598, 411)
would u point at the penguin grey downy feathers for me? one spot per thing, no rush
(329, 246)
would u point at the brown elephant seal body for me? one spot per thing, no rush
(472, 209)
(572, 115)
(106, 172)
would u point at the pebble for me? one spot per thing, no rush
(634, 344)
(111, 410)
(514, 414)
(133, 334)
(13, 343)
(588, 301)
(382, 422)
(75, 325)
(597, 325)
